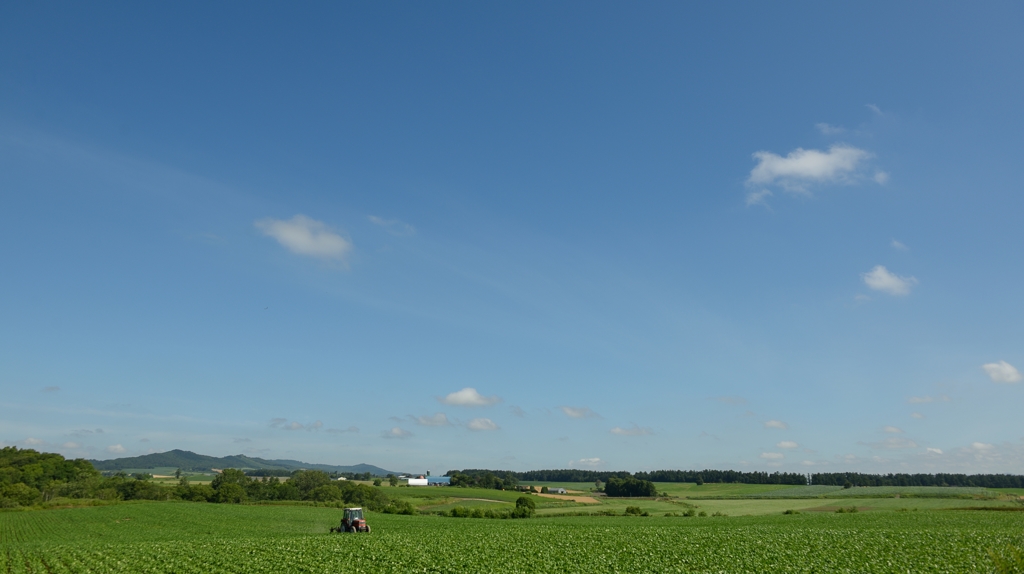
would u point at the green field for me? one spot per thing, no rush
(198, 537)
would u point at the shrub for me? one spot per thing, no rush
(791, 511)
(459, 512)
(525, 502)
(702, 514)
(633, 510)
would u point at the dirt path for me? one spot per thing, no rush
(583, 499)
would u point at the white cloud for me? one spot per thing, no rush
(916, 415)
(340, 431)
(758, 197)
(881, 177)
(591, 462)
(829, 130)
(787, 444)
(51, 389)
(933, 450)
(293, 426)
(579, 413)
(517, 411)
(893, 430)
(923, 400)
(481, 425)
(393, 226)
(71, 445)
(806, 166)
(438, 420)
(880, 279)
(116, 449)
(632, 431)
(982, 446)
(468, 397)
(306, 236)
(808, 463)
(772, 455)
(315, 426)
(873, 108)
(396, 432)
(773, 424)
(899, 245)
(34, 441)
(1002, 372)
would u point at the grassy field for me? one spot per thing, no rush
(197, 537)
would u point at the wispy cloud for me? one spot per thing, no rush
(632, 431)
(438, 420)
(881, 279)
(933, 450)
(787, 444)
(774, 424)
(982, 446)
(116, 449)
(759, 197)
(829, 130)
(916, 416)
(873, 108)
(881, 177)
(34, 441)
(71, 445)
(892, 430)
(804, 167)
(469, 397)
(579, 413)
(306, 236)
(481, 424)
(281, 423)
(393, 226)
(352, 429)
(587, 462)
(517, 411)
(772, 455)
(1002, 372)
(396, 432)
(898, 245)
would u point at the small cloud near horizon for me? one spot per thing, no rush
(774, 424)
(881, 279)
(469, 397)
(787, 444)
(306, 236)
(632, 431)
(116, 449)
(396, 432)
(1002, 372)
(804, 167)
(482, 424)
(579, 413)
(588, 462)
(438, 420)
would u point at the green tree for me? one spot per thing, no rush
(308, 480)
(392, 480)
(377, 482)
(230, 492)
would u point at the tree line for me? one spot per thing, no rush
(509, 479)
(30, 478)
(941, 479)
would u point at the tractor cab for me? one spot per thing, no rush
(352, 521)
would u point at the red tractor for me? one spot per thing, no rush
(352, 521)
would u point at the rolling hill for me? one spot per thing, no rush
(190, 461)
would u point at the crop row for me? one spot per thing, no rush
(294, 539)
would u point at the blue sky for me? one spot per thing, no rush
(540, 235)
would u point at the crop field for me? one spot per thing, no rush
(197, 537)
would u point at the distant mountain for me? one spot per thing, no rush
(190, 461)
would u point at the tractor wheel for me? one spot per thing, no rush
(367, 528)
